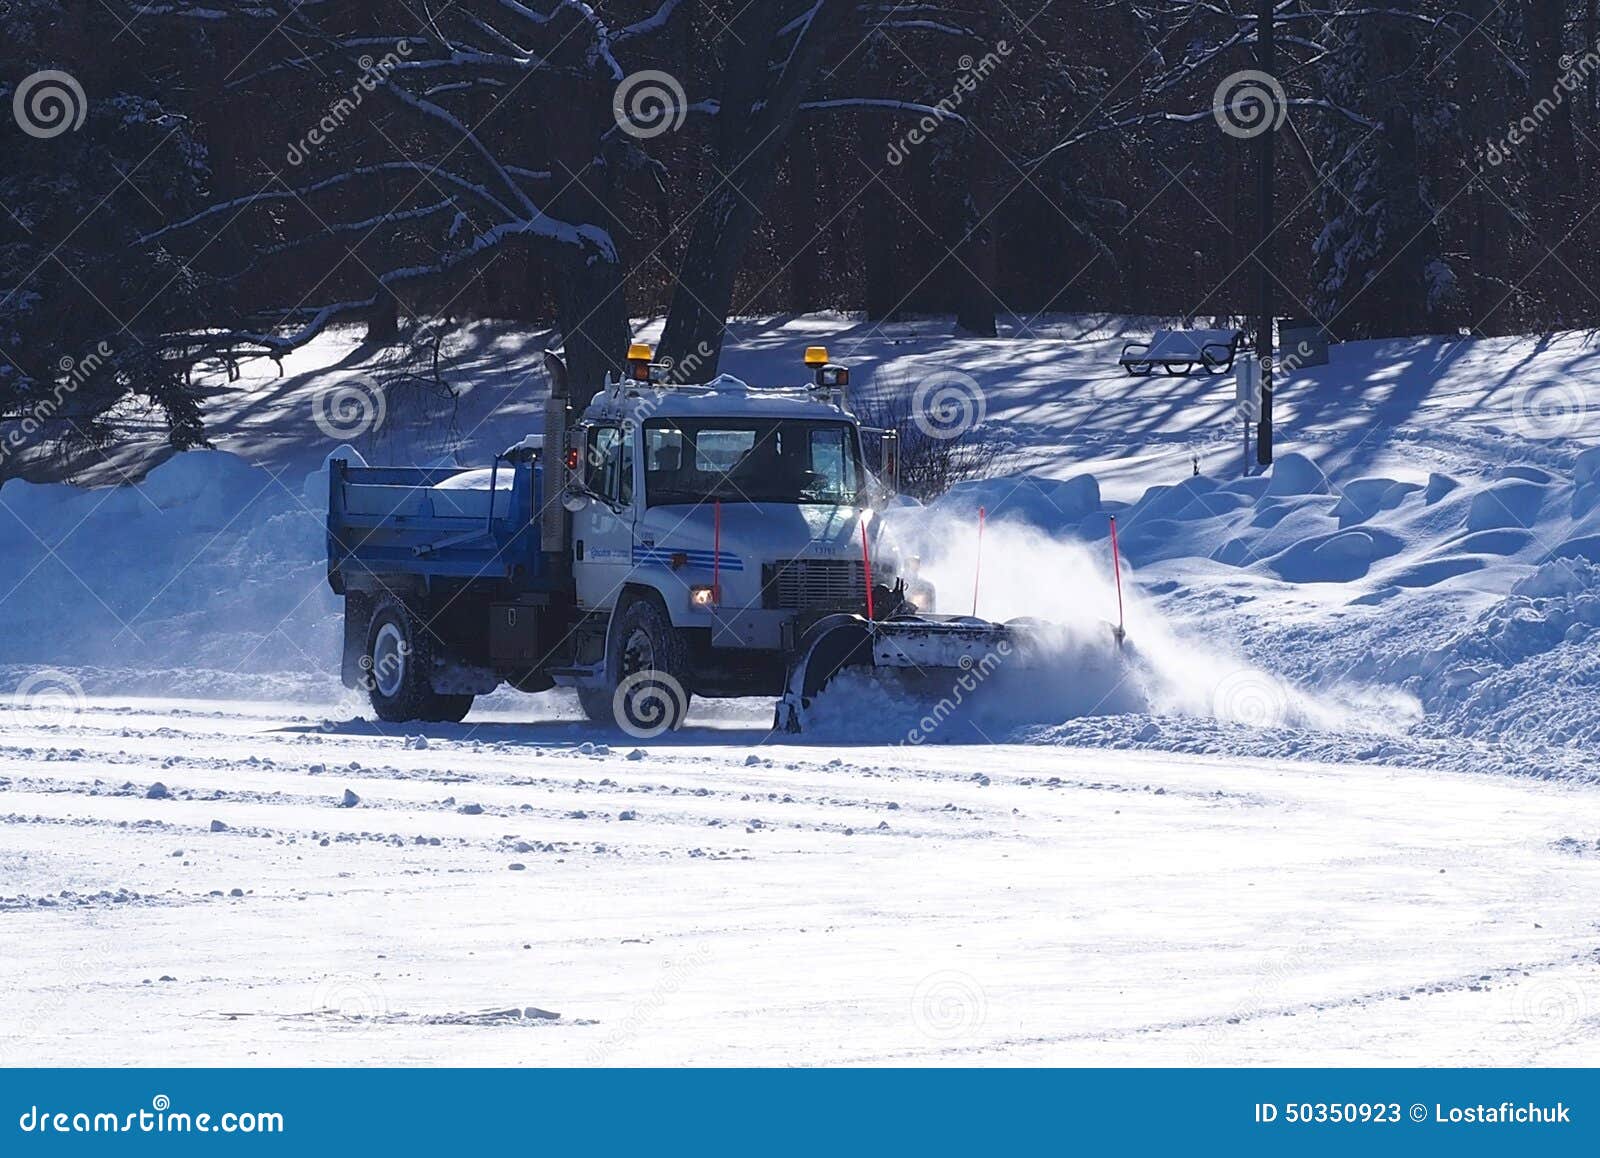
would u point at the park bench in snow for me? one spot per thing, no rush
(1180, 352)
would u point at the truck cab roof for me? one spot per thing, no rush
(724, 396)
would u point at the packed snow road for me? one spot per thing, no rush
(205, 883)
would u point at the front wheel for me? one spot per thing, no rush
(399, 657)
(646, 690)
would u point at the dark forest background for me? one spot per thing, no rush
(246, 174)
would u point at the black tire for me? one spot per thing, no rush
(596, 704)
(448, 709)
(399, 657)
(647, 668)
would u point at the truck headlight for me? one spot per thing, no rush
(702, 597)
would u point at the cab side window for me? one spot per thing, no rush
(625, 465)
(611, 462)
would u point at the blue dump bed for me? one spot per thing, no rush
(435, 524)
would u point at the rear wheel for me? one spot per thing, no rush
(647, 663)
(396, 665)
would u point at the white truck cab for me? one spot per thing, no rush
(743, 513)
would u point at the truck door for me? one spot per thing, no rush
(603, 531)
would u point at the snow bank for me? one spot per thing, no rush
(1527, 668)
(209, 563)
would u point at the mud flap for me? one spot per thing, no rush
(357, 622)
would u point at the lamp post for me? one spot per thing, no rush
(1265, 55)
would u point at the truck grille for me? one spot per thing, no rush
(814, 585)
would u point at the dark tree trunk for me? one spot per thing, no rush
(752, 126)
(804, 248)
(1557, 144)
(1591, 38)
(1488, 227)
(383, 323)
(590, 308)
(879, 224)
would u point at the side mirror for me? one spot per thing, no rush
(576, 492)
(891, 462)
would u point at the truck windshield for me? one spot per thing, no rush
(755, 460)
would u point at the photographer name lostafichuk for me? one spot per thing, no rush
(1506, 1113)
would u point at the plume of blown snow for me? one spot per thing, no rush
(1061, 596)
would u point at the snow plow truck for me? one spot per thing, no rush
(667, 541)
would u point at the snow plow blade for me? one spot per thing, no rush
(934, 646)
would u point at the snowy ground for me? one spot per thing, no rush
(1338, 803)
(722, 901)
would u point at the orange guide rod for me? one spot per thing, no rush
(1116, 568)
(866, 562)
(977, 568)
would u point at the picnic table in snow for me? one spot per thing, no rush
(1182, 352)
